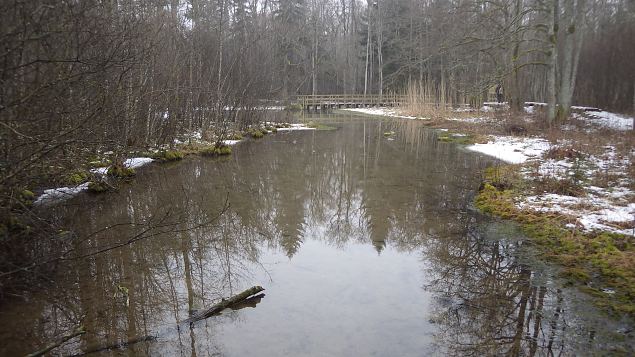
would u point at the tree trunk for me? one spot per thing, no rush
(516, 103)
(367, 50)
(314, 60)
(380, 57)
(571, 52)
(219, 104)
(553, 62)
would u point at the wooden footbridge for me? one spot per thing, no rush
(333, 101)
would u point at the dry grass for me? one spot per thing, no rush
(566, 186)
(564, 152)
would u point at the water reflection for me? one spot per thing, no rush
(344, 228)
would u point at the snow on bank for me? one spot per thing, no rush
(608, 209)
(231, 142)
(383, 111)
(512, 150)
(472, 119)
(590, 212)
(135, 162)
(597, 209)
(60, 194)
(608, 120)
(55, 195)
(131, 163)
(493, 106)
(293, 127)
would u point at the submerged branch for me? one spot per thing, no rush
(247, 297)
(224, 304)
(78, 331)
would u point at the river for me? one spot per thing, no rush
(367, 245)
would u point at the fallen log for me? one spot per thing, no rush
(224, 304)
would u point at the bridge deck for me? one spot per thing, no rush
(320, 101)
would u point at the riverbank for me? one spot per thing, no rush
(101, 173)
(570, 186)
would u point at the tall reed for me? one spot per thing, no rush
(428, 99)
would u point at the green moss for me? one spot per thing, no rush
(99, 163)
(257, 134)
(603, 259)
(173, 155)
(27, 195)
(217, 151)
(77, 177)
(26, 198)
(168, 155)
(13, 225)
(97, 186)
(576, 275)
(224, 150)
(236, 136)
(120, 171)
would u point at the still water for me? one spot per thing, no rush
(366, 244)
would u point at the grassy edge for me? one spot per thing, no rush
(601, 264)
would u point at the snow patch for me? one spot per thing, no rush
(383, 111)
(230, 142)
(470, 120)
(609, 120)
(132, 163)
(55, 195)
(591, 213)
(512, 150)
(293, 127)
(135, 162)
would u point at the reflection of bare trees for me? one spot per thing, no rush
(491, 303)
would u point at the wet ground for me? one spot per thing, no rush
(366, 242)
